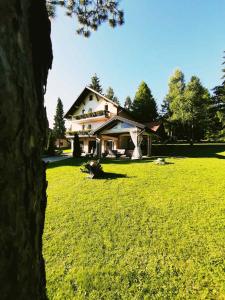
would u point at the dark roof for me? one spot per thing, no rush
(113, 120)
(80, 98)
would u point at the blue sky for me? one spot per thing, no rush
(158, 36)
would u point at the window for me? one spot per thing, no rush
(89, 126)
(91, 97)
(83, 127)
(106, 107)
(90, 110)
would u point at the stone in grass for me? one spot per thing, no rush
(93, 168)
(160, 161)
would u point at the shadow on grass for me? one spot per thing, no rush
(109, 176)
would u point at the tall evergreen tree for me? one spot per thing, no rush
(111, 95)
(128, 103)
(95, 84)
(144, 107)
(218, 108)
(76, 146)
(59, 128)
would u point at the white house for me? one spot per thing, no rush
(105, 127)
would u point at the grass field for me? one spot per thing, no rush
(146, 232)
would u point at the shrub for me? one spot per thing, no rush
(93, 168)
(76, 146)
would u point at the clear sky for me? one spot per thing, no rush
(158, 36)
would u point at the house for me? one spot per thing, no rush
(104, 127)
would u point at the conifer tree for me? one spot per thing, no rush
(95, 84)
(76, 146)
(218, 108)
(111, 95)
(128, 103)
(144, 107)
(59, 128)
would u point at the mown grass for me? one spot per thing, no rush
(158, 233)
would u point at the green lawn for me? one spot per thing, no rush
(158, 233)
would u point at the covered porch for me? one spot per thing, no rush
(128, 139)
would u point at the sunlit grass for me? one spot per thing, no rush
(159, 233)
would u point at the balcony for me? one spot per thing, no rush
(101, 114)
(80, 133)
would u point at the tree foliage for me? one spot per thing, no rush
(95, 84)
(174, 96)
(90, 14)
(111, 95)
(128, 103)
(59, 128)
(144, 107)
(219, 104)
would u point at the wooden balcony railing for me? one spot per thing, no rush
(93, 114)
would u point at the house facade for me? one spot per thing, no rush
(105, 127)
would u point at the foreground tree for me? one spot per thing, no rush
(25, 58)
(95, 84)
(144, 107)
(59, 129)
(110, 95)
(128, 103)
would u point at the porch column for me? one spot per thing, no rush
(99, 146)
(136, 136)
(149, 152)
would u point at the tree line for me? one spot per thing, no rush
(189, 112)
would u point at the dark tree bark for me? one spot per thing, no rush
(25, 57)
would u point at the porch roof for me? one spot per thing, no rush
(116, 119)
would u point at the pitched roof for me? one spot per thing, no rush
(149, 128)
(80, 98)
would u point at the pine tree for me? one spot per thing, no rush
(144, 107)
(110, 95)
(218, 108)
(59, 128)
(23, 85)
(95, 84)
(128, 103)
(91, 14)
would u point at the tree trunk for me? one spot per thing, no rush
(25, 57)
